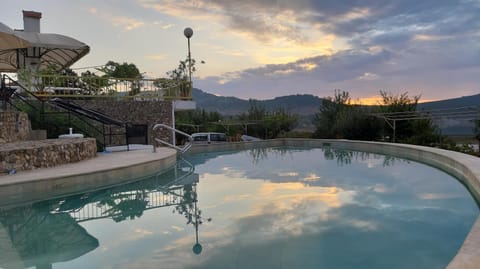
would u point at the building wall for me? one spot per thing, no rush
(134, 112)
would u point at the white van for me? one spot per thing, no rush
(207, 138)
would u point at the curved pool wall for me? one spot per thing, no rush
(464, 167)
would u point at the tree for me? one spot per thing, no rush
(326, 119)
(398, 103)
(178, 79)
(181, 73)
(280, 121)
(124, 72)
(414, 131)
(92, 83)
(338, 118)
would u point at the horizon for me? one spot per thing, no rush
(376, 100)
(258, 50)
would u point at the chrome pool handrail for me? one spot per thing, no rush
(181, 149)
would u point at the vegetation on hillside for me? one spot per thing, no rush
(257, 122)
(338, 118)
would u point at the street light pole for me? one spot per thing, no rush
(188, 32)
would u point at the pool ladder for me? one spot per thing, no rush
(181, 149)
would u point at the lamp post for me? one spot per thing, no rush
(188, 32)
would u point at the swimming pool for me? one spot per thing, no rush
(260, 208)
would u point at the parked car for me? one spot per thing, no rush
(208, 138)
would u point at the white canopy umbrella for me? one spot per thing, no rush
(8, 39)
(43, 50)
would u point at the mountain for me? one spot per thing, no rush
(300, 104)
(220, 104)
(303, 104)
(454, 126)
(472, 100)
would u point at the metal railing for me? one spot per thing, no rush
(182, 149)
(105, 87)
(46, 114)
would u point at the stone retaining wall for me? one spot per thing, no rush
(27, 155)
(14, 126)
(133, 112)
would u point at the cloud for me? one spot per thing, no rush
(126, 23)
(156, 57)
(123, 22)
(368, 76)
(263, 21)
(167, 26)
(344, 65)
(269, 48)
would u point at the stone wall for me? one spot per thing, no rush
(14, 126)
(27, 155)
(133, 112)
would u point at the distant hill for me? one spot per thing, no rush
(303, 104)
(457, 126)
(472, 100)
(300, 104)
(220, 104)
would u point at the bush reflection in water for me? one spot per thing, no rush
(48, 232)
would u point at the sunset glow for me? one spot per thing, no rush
(261, 49)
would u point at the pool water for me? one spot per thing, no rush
(259, 208)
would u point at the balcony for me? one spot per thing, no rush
(90, 87)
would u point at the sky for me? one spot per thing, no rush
(267, 48)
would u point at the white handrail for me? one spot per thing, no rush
(183, 149)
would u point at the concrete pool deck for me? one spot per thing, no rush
(111, 168)
(118, 167)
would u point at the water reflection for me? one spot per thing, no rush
(345, 157)
(32, 236)
(259, 154)
(300, 210)
(273, 208)
(342, 156)
(43, 233)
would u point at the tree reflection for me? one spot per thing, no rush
(126, 206)
(342, 156)
(345, 157)
(259, 154)
(47, 232)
